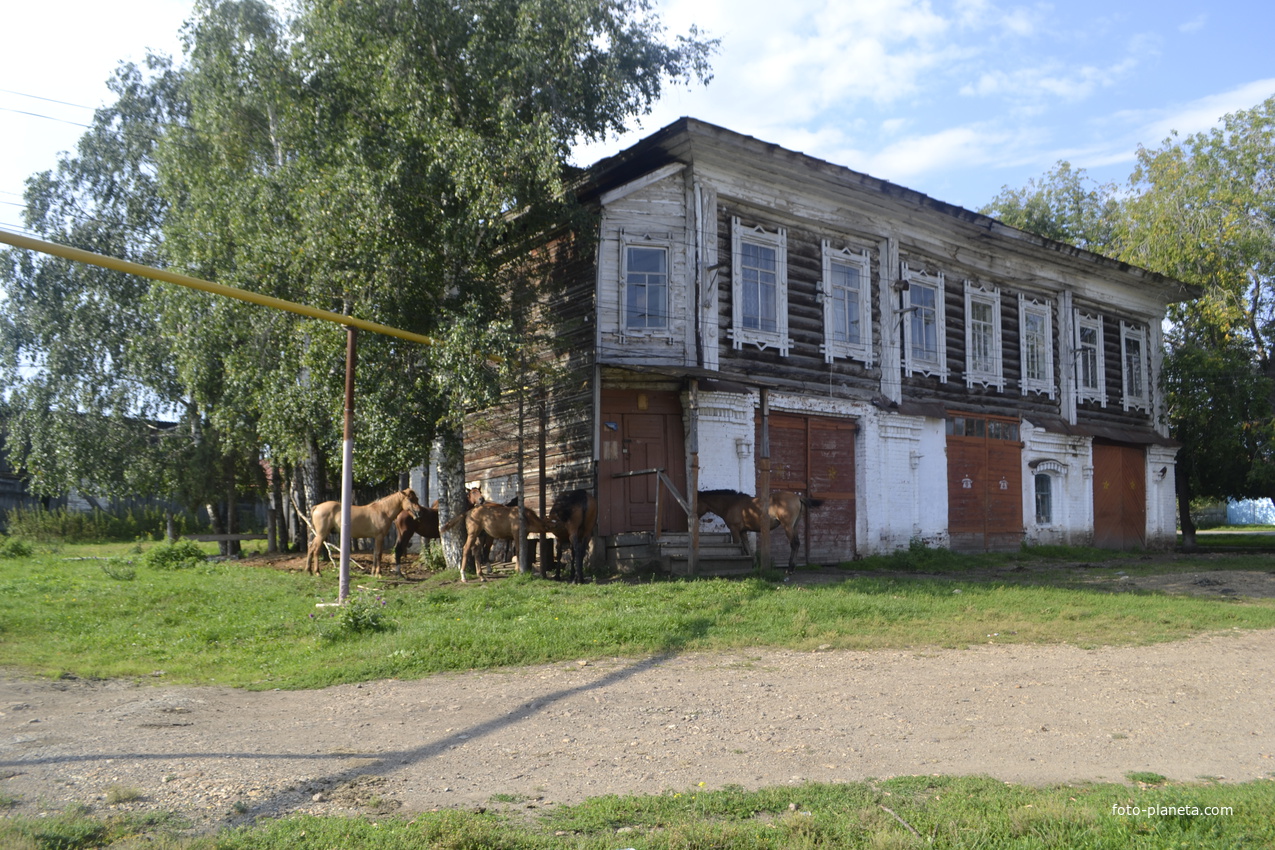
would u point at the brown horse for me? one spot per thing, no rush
(372, 520)
(743, 513)
(572, 518)
(498, 522)
(426, 525)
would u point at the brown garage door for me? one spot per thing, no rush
(814, 456)
(1119, 496)
(984, 483)
(640, 430)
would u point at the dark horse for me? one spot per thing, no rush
(743, 513)
(572, 518)
(426, 525)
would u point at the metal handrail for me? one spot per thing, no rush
(667, 482)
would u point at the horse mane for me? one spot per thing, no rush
(396, 494)
(723, 492)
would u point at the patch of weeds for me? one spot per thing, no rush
(117, 794)
(15, 549)
(173, 556)
(119, 569)
(362, 612)
(508, 798)
(431, 557)
(1146, 777)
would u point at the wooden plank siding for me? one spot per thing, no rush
(804, 367)
(562, 315)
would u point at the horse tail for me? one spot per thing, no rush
(454, 522)
(811, 503)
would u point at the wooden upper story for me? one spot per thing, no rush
(720, 255)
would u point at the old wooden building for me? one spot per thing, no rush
(928, 372)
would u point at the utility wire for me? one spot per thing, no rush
(46, 117)
(46, 99)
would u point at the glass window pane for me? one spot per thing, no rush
(646, 287)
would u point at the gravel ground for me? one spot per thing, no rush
(528, 738)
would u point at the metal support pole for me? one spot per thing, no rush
(347, 464)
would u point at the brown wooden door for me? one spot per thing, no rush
(1119, 496)
(640, 430)
(984, 483)
(814, 456)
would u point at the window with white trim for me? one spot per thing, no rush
(644, 268)
(983, 361)
(1044, 492)
(1133, 353)
(1091, 372)
(847, 304)
(1036, 346)
(925, 340)
(759, 287)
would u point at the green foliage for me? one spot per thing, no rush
(119, 569)
(1203, 212)
(11, 547)
(64, 526)
(1064, 205)
(361, 613)
(179, 555)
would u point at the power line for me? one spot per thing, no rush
(45, 117)
(46, 99)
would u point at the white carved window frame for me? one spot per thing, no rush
(993, 374)
(776, 240)
(1045, 383)
(1096, 390)
(934, 365)
(661, 241)
(833, 348)
(1135, 374)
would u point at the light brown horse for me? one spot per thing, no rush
(426, 525)
(572, 518)
(498, 522)
(743, 513)
(374, 520)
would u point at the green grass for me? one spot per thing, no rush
(69, 612)
(115, 611)
(907, 812)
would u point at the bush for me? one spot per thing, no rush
(14, 549)
(362, 612)
(61, 525)
(174, 556)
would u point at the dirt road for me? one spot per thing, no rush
(533, 737)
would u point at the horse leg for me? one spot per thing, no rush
(400, 548)
(312, 564)
(378, 545)
(464, 554)
(578, 546)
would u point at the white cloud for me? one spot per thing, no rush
(1204, 113)
(908, 158)
(1194, 25)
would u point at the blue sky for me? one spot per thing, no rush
(953, 99)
